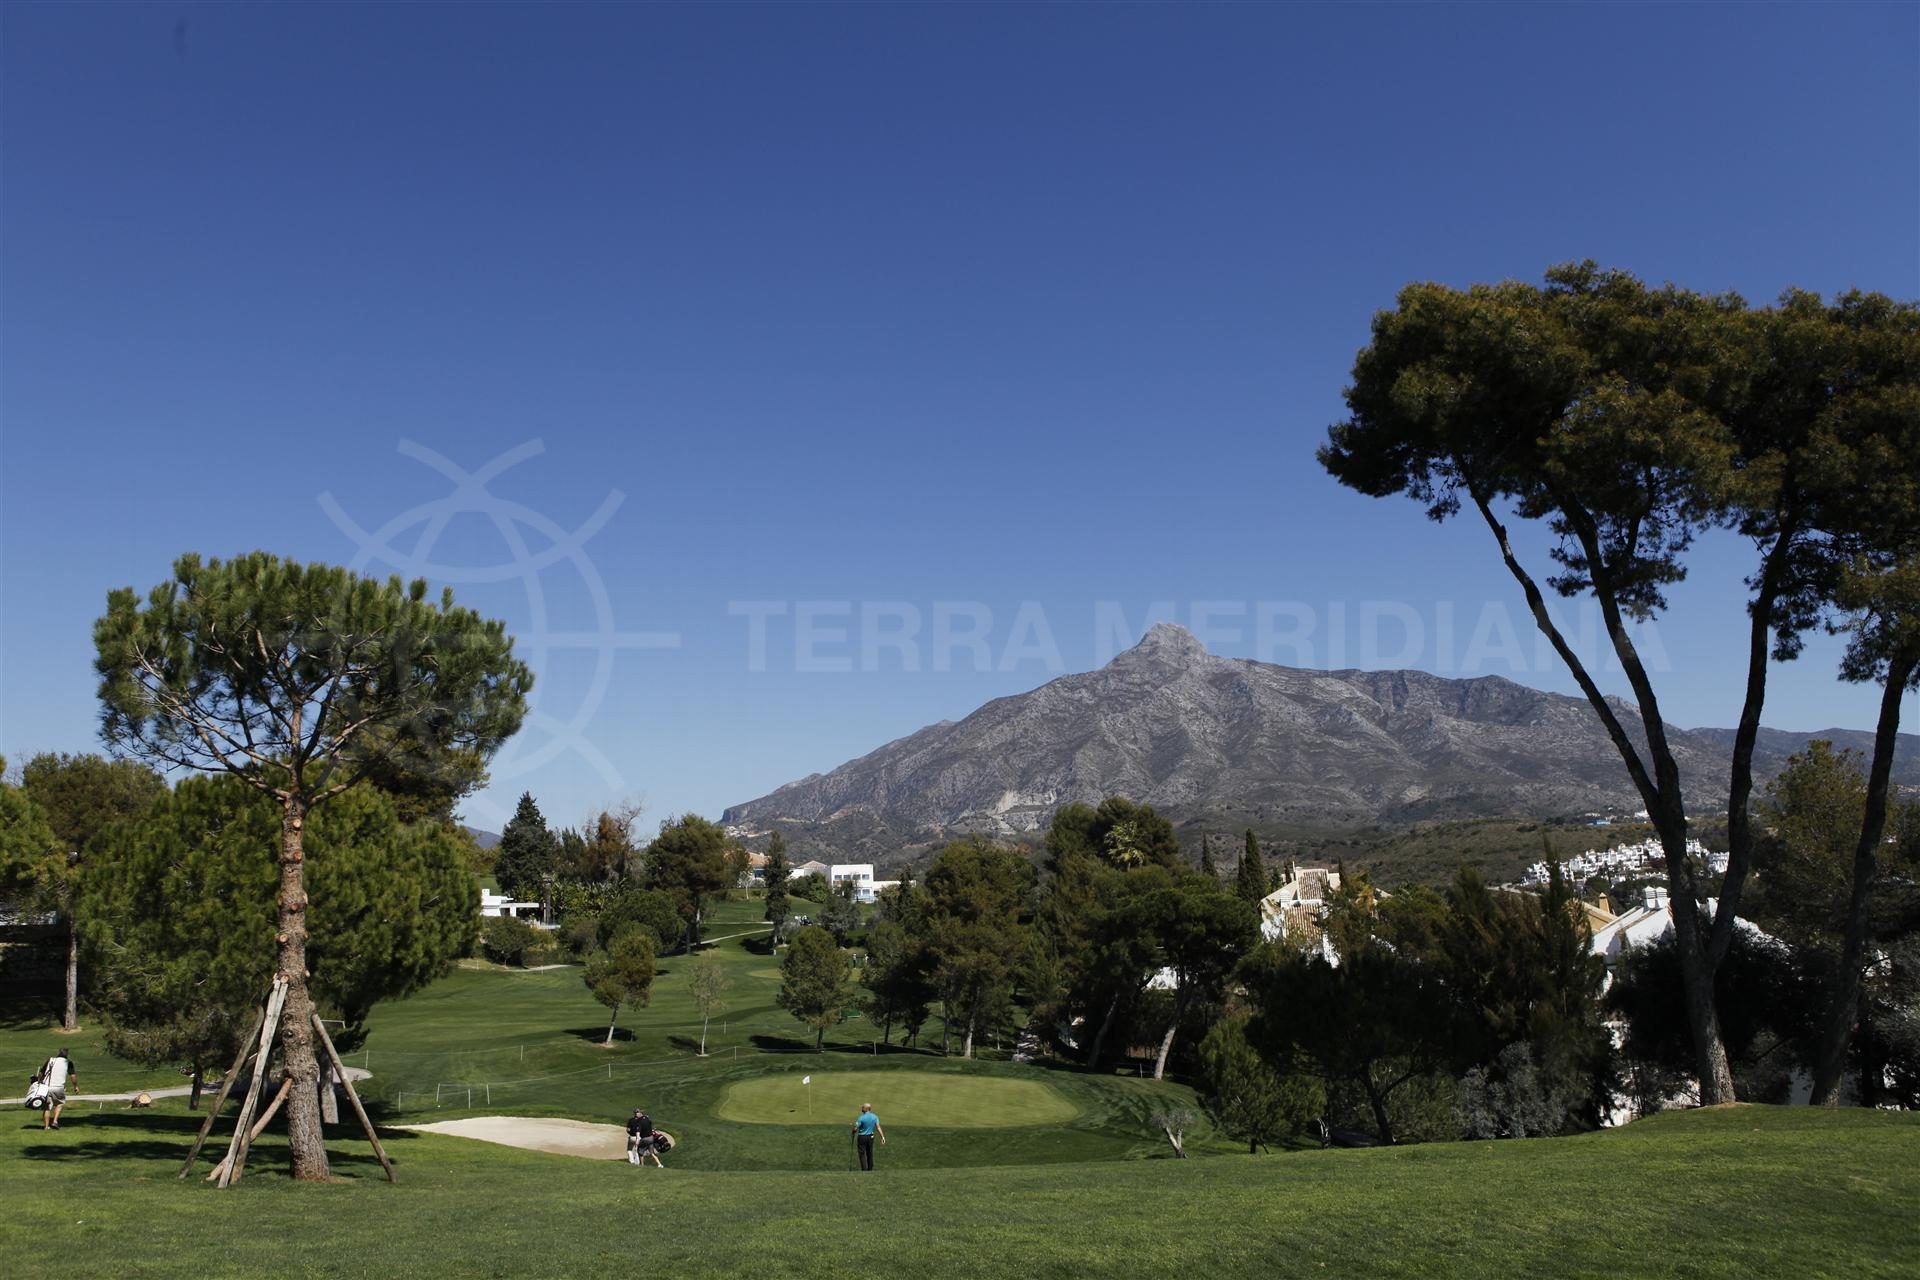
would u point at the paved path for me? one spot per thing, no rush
(172, 1091)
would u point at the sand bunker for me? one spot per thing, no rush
(557, 1137)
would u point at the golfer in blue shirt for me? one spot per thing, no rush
(865, 1129)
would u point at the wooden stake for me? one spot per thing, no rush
(237, 1149)
(226, 1086)
(260, 1125)
(354, 1097)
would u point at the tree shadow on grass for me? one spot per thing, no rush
(780, 1044)
(598, 1035)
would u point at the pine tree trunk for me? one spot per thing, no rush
(1843, 1007)
(1166, 1044)
(193, 1097)
(1378, 1101)
(1100, 1037)
(305, 1138)
(1696, 971)
(70, 1016)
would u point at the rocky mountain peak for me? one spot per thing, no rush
(1166, 644)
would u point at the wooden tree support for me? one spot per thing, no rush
(248, 1046)
(257, 1048)
(260, 1125)
(353, 1097)
(236, 1160)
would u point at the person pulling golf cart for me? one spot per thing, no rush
(644, 1142)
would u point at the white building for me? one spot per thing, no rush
(859, 874)
(499, 904)
(1298, 907)
(1624, 861)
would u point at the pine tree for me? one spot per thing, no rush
(527, 850)
(1252, 877)
(777, 869)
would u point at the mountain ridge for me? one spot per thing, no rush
(1200, 736)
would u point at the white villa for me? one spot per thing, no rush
(499, 904)
(1300, 905)
(860, 874)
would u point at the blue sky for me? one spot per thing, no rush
(849, 319)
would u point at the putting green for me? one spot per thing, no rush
(929, 1099)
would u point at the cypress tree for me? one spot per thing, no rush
(526, 850)
(777, 869)
(1207, 868)
(1252, 877)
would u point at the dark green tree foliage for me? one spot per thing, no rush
(687, 861)
(525, 857)
(811, 887)
(1251, 879)
(841, 916)
(1200, 931)
(621, 975)
(1803, 889)
(1526, 984)
(627, 906)
(571, 862)
(1095, 954)
(977, 909)
(1119, 833)
(1629, 419)
(81, 797)
(1207, 867)
(28, 848)
(1246, 1097)
(392, 907)
(778, 868)
(1764, 1003)
(895, 978)
(813, 981)
(505, 940)
(1377, 1021)
(1597, 406)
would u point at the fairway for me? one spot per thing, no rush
(927, 1099)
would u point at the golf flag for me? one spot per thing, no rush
(806, 1079)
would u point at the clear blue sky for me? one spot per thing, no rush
(892, 308)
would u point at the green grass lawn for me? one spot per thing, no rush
(1742, 1192)
(1081, 1184)
(904, 1099)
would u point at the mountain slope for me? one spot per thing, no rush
(1225, 738)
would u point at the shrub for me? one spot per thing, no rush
(505, 940)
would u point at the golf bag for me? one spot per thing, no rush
(37, 1095)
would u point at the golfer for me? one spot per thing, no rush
(57, 1072)
(640, 1144)
(865, 1129)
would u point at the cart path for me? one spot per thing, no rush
(172, 1091)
